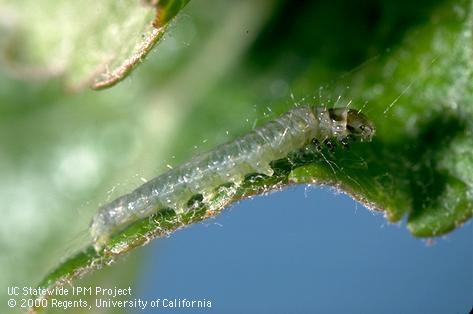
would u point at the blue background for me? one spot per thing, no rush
(309, 250)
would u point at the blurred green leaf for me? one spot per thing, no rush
(96, 43)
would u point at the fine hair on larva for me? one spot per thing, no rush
(229, 163)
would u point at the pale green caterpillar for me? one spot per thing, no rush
(229, 163)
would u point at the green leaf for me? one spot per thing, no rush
(416, 85)
(95, 43)
(419, 163)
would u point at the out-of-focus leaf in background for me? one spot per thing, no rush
(218, 71)
(96, 43)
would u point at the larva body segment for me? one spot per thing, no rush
(228, 163)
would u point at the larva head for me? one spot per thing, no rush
(354, 123)
(359, 125)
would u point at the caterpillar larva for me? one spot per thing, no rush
(229, 163)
